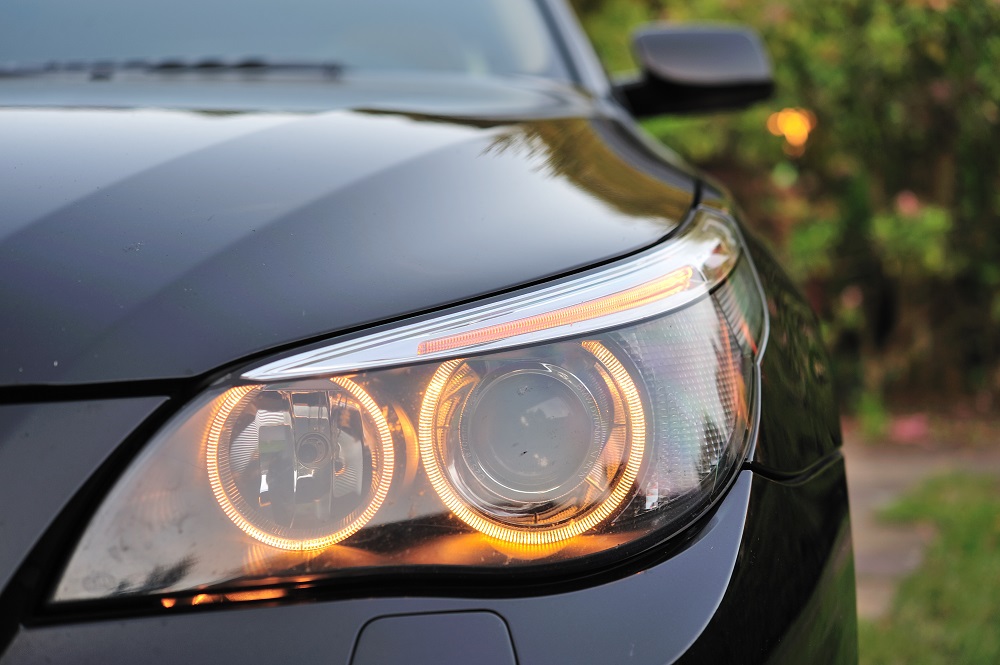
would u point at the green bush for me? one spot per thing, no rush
(889, 216)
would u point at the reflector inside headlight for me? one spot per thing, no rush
(608, 409)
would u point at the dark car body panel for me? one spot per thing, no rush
(792, 599)
(47, 454)
(247, 232)
(795, 374)
(158, 234)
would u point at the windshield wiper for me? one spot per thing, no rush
(106, 69)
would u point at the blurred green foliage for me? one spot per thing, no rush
(889, 217)
(947, 611)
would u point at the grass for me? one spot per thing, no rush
(949, 610)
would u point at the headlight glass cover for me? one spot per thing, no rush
(570, 421)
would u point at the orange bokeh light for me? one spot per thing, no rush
(794, 124)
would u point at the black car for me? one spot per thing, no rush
(378, 332)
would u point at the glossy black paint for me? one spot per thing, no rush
(792, 597)
(47, 454)
(796, 375)
(160, 244)
(480, 637)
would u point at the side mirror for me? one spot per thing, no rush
(696, 68)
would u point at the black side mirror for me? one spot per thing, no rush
(696, 68)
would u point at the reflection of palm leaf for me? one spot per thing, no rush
(586, 153)
(579, 150)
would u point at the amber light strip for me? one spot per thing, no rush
(228, 401)
(542, 535)
(644, 294)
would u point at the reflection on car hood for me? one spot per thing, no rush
(148, 244)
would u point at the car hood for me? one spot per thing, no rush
(155, 244)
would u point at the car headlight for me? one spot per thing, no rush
(594, 416)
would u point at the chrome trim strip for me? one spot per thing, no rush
(710, 243)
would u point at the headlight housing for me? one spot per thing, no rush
(605, 410)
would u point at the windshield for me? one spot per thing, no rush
(487, 37)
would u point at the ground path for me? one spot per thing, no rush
(876, 476)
